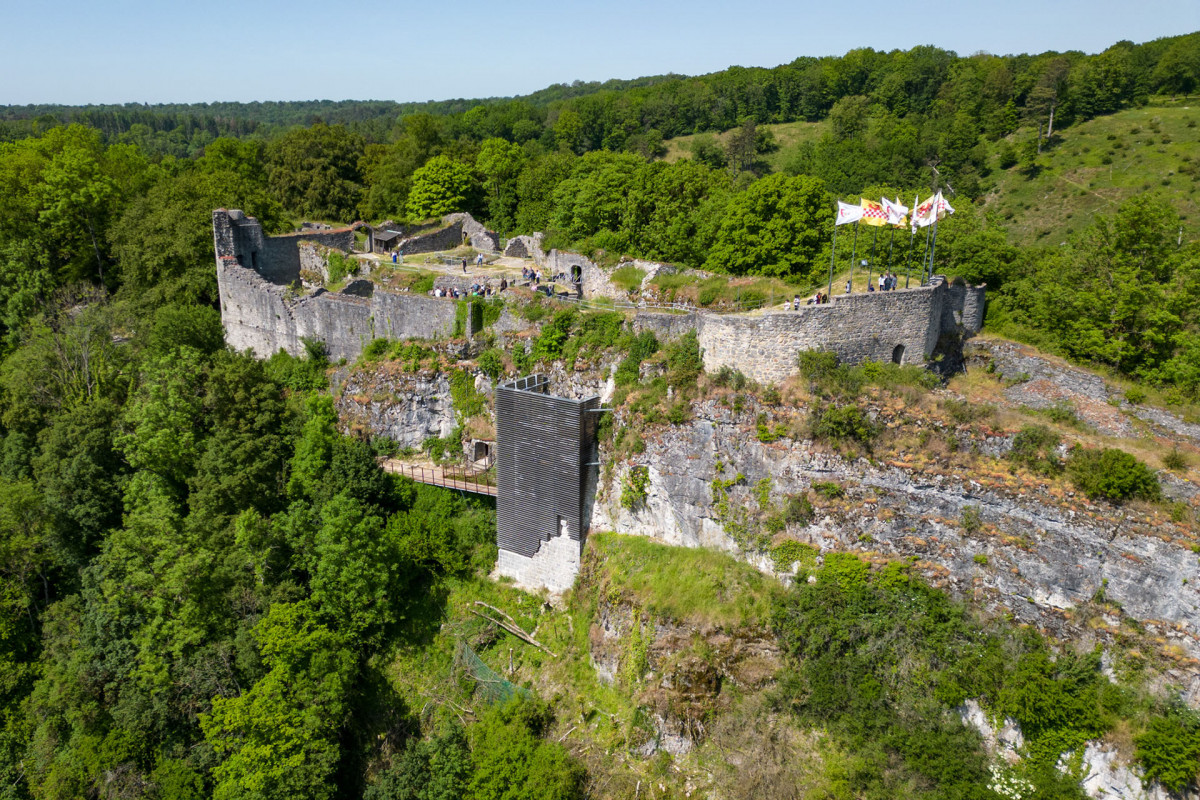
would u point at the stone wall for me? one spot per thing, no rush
(665, 325)
(526, 247)
(473, 231)
(553, 567)
(275, 258)
(903, 325)
(857, 327)
(458, 229)
(266, 318)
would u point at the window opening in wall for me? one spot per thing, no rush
(898, 354)
(576, 273)
(254, 259)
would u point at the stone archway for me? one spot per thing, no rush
(898, 354)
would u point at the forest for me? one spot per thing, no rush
(202, 577)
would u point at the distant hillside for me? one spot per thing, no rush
(786, 135)
(1095, 165)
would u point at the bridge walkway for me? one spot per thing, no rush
(436, 476)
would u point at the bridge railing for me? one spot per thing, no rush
(476, 483)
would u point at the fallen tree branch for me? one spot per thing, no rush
(515, 631)
(498, 611)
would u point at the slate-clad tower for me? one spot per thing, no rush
(546, 473)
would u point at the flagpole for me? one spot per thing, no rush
(853, 252)
(871, 263)
(832, 256)
(926, 264)
(933, 249)
(908, 259)
(912, 225)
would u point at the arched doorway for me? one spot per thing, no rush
(898, 354)
(577, 279)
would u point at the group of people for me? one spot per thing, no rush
(888, 282)
(820, 298)
(532, 275)
(476, 290)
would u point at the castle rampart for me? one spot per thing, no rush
(260, 312)
(904, 326)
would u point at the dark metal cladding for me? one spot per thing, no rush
(545, 455)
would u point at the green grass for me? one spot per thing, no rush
(787, 135)
(628, 277)
(1076, 183)
(682, 584)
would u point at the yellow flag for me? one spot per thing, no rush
(872, 213)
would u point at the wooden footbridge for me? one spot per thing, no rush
(474, 482)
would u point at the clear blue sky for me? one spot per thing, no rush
(154, 51)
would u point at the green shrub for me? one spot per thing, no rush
(551, 341)
(981, 559)
(708, 295)
(1175, 460)
(1112, 474)
(375, 349)
(971, 520)
(1169, 749)
(423, 284)
(639, 348)
(962, 412)
(817, 365)
(685, 362)
(635, 488)
(1035, 448)
(1135, 395)
(728, 376)
(677, 414)
(467, 401)
(829, 490)
(784, 554)
(491, 362)
(798, 511)
(1063, 413)
(843, 423)
(768, 433)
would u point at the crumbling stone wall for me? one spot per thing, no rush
(458, 229)
(276, 258)
(261, 311)
(473, 232)
(526, 247)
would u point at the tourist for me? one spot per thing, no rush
(849, 285)
(503, 284)
(464, 262)
(394, 254)
(796, 303)
(479, 260)
(882, 282)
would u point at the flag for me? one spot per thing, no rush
(942, 209)
(848, 213)
(872, 213)
(923, 214)
(895, 213)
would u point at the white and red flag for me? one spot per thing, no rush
(922, 216)
(895, 212)
(848, 213)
